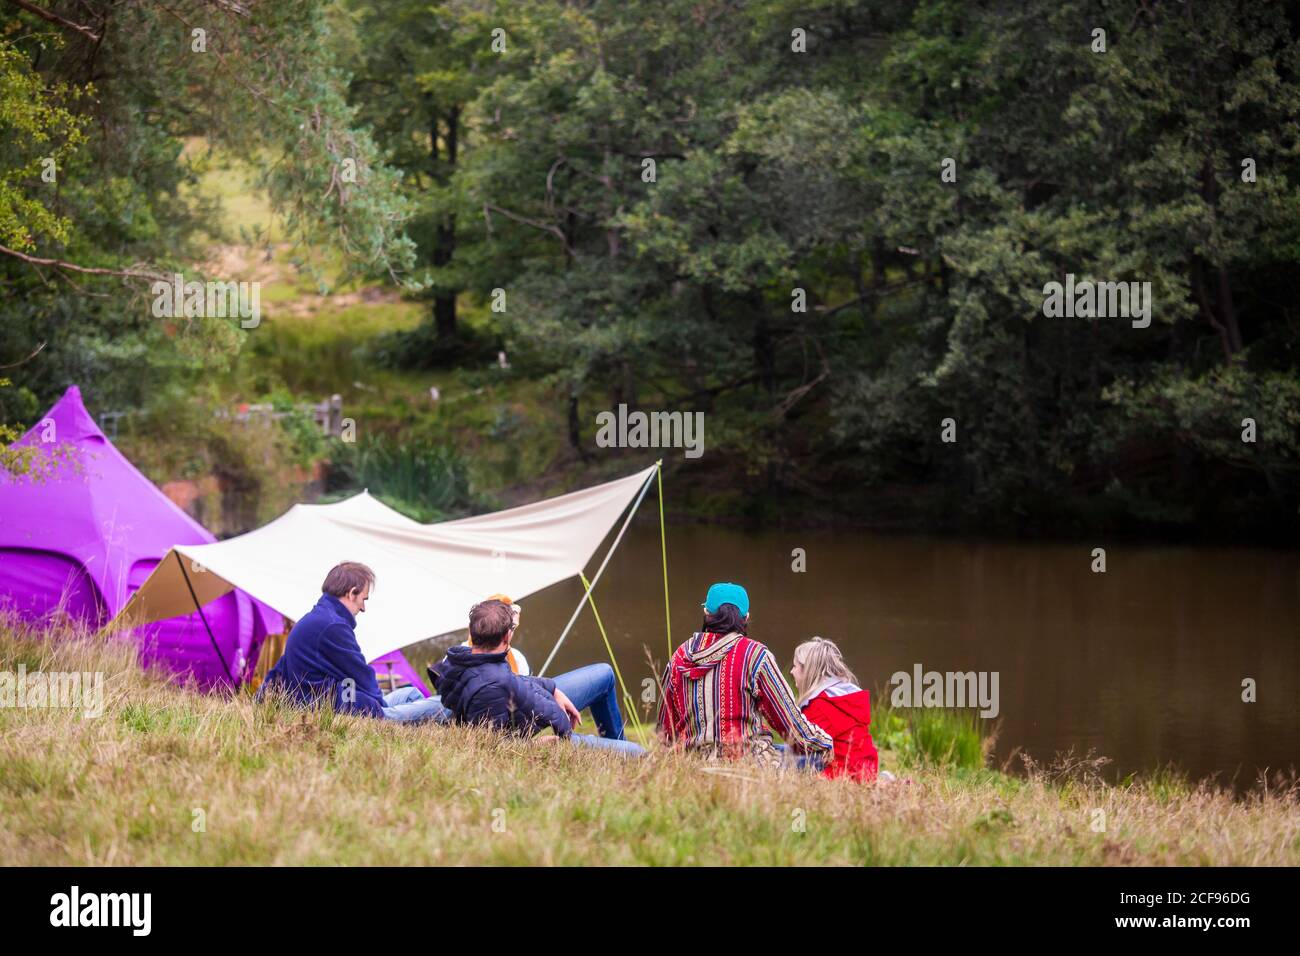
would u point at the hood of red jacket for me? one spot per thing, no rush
(838, 715)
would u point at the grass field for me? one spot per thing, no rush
(170, 776)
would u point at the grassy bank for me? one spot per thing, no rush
(280, 786)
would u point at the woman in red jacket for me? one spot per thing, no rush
(830, 697)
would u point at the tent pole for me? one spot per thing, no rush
(663, 544)
(203, 617)
(599, 571)
(627, 698)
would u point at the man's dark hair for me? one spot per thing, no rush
(489, 622)
(347, 577)
(727, 619)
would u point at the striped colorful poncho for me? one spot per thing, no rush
(719, 690)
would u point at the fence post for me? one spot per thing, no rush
(336, 416)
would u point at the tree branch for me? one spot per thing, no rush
(826, 311)
(649, 154)
(231, 6)
(26, 360)
(796, 395)
(234, 74)
(545, 227)
(89, 270)
(55, 19)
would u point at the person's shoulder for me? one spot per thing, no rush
(335, 626)
(494, 674)
(756, 657)
(681, 655)
(334, 631)
(309, 621)
(317, 616)
(816, 704)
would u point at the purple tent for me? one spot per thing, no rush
(82, 541)
(393, 669)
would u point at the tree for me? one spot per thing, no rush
(418, 66)
(117, 88)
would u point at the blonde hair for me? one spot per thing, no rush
(822, 661)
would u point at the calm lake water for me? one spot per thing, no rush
(1142, 664)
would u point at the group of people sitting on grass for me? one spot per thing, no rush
(722, 693)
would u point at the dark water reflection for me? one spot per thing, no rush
(1143, 664)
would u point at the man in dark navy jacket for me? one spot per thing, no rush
(322, 658)
(478, 687)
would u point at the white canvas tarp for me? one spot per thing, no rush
(427, 576)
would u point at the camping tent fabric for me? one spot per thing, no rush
(81, 541)
(400, 669)
(427, 576)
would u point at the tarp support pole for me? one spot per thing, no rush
(663, 545)
(627, 698)
(599, 571)
(204, 618)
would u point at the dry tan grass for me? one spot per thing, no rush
(282, 786)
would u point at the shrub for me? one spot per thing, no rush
(424, 480)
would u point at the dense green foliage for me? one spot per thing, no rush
(113, 104)
(777, 170)
(741, 208)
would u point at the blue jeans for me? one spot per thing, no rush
(810, 762)
(410, 706)
(594, 686)
(625, 747)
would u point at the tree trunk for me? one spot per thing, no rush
(1228, 311)
(1225, 322)
(629, 391)
(764, 359)
(444, 304)
(575, 436)
(1207, 310)
(765, 366)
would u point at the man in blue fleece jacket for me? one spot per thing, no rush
(322, 658)
(478, 687)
